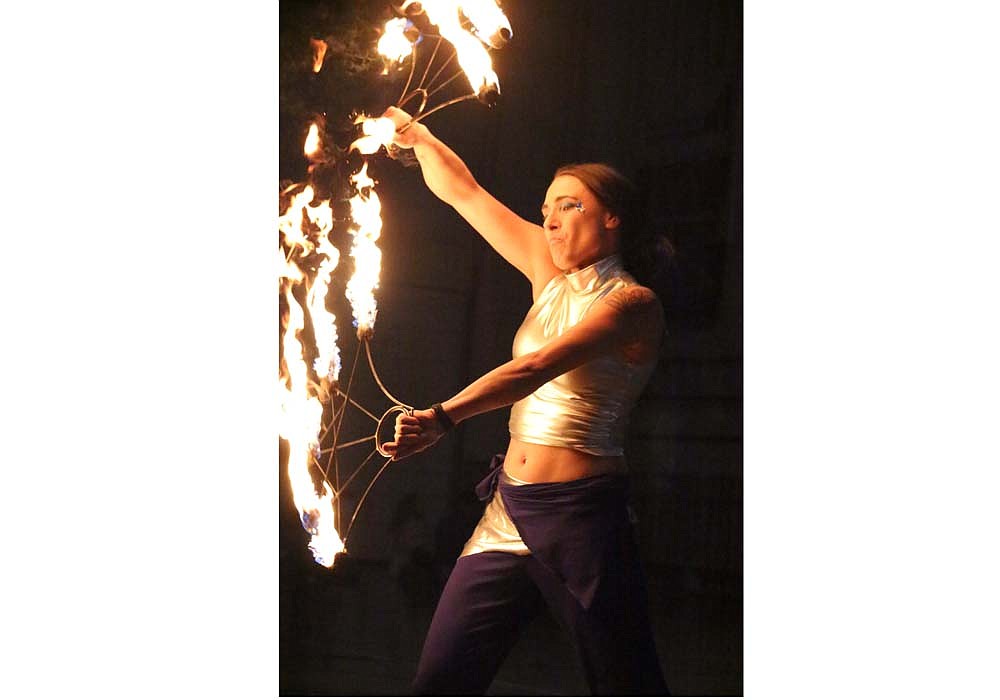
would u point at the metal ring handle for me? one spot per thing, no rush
(394, 409)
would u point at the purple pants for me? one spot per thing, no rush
(584, 565)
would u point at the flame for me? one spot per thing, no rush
(378, 132)
(488, 22)
(327, 363)
(294, 222)
(366, 212)
(319, 51)
(305, 229)
(312, 140)
(393, 44)
(287, 269)
(299, 218)
(475, 62)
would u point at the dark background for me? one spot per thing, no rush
(654, 88)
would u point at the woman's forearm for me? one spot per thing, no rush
(445, 173)
(508, 383)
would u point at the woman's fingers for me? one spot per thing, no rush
(400, 116)
(413, 433)
(398, 451)
(406, 430)
(406, 425)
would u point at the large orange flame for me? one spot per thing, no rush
(488, 24)
(305, 229)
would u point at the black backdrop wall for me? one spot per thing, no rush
(655, 88)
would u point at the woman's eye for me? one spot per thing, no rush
(565, 207)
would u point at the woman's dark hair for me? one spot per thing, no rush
(643, 252)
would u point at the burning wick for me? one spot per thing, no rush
(377, 131)
(487, 21)
(394, 44)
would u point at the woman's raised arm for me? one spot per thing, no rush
(518, 241)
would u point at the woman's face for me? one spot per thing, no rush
(579, 229)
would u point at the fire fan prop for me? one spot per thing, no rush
(312, 402)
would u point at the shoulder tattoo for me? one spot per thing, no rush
(643, 317)
(630, 298)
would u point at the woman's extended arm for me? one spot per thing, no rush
(518, 241)
(628, 322)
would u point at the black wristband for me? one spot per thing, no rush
(442, 417)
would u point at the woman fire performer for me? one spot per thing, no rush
(556, 527)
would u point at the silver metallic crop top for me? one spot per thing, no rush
(586, 408)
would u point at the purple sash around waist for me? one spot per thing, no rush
(576, 529)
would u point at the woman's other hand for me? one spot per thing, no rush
(414, 433)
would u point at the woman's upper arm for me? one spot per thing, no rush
(628, 323)
(518, 241)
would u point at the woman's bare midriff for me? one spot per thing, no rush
(542, 463)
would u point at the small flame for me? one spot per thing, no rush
(312, 140)
(393, 44)
(366, 212)
(319, 51)
(287, 269)
(378, 132)
(293, 223)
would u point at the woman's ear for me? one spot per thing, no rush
(611, 221)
